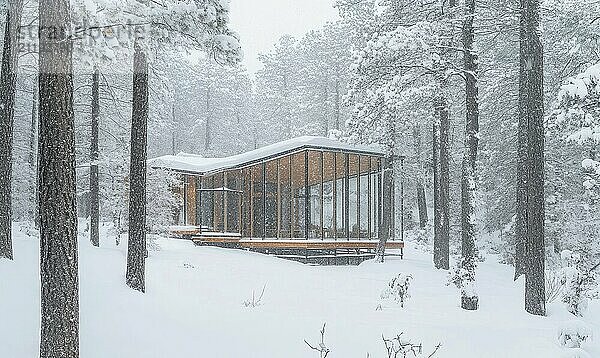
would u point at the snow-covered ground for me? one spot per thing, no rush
(194, 307)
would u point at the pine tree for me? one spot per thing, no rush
(136, 250)
(8, 82)
(469, 299)
(532, 71)
(59, 337)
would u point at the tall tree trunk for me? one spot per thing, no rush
(442, 244)
(59, 336)
(421, 198)
(436, 190)
(208, 138)
(326, 107)
(535, 295)
(521, 194)
(445, 178)
(469, 299)
(337, 103)
(387, 211)
(33, 134)
(288, 114)
(136, 250)
(33, 147)
(94, 184)
(8, 82)
(173, 134)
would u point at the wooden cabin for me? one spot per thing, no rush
(311, 199)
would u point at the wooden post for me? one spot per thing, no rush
(306, 198)
(185, 199)
(322, 195)
(347, 197)
(264, 200)
(240, 187)
(358, 200)
(370, 201)
(251, 203)
(334, 196)
(224, 202)
(278, 199)
(199, 202)
(291, 189)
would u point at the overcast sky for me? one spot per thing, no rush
(261, 23)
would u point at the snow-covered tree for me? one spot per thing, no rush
(163, 201)
(406, 57)
(8, 83)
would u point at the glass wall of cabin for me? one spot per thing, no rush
(306, 195)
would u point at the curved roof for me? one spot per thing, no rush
(197, 164)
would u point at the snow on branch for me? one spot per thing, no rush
(321, 348)
(399, 347)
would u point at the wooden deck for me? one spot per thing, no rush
(322, 252)
(316, 245)
(294, 244)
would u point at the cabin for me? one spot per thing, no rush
(310, 199)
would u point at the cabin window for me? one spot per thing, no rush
(219, 207)
(233, 200)
(375, 196)
(258, 209)
(246, 202)
(364, 197)
(353, 191)
(328, 194)
(340, 196)
(298, 193)
(271, 198)
(286, 198)
(207, 205)
(315, 176)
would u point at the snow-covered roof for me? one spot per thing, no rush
(197, 164)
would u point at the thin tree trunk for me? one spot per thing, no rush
(535, 295)
(33, 147)
(173, 133)
(208, 134)
(387, 212)
(436, 191)
(59, 337)
(442, 249)
(421, 198)
(469, 299)
(337, 103)
(34, 126)
(288, 114)
(444, 179)
(94, 184)
(521, 194)
(136, 250)
(8, 82)
(325, 107)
